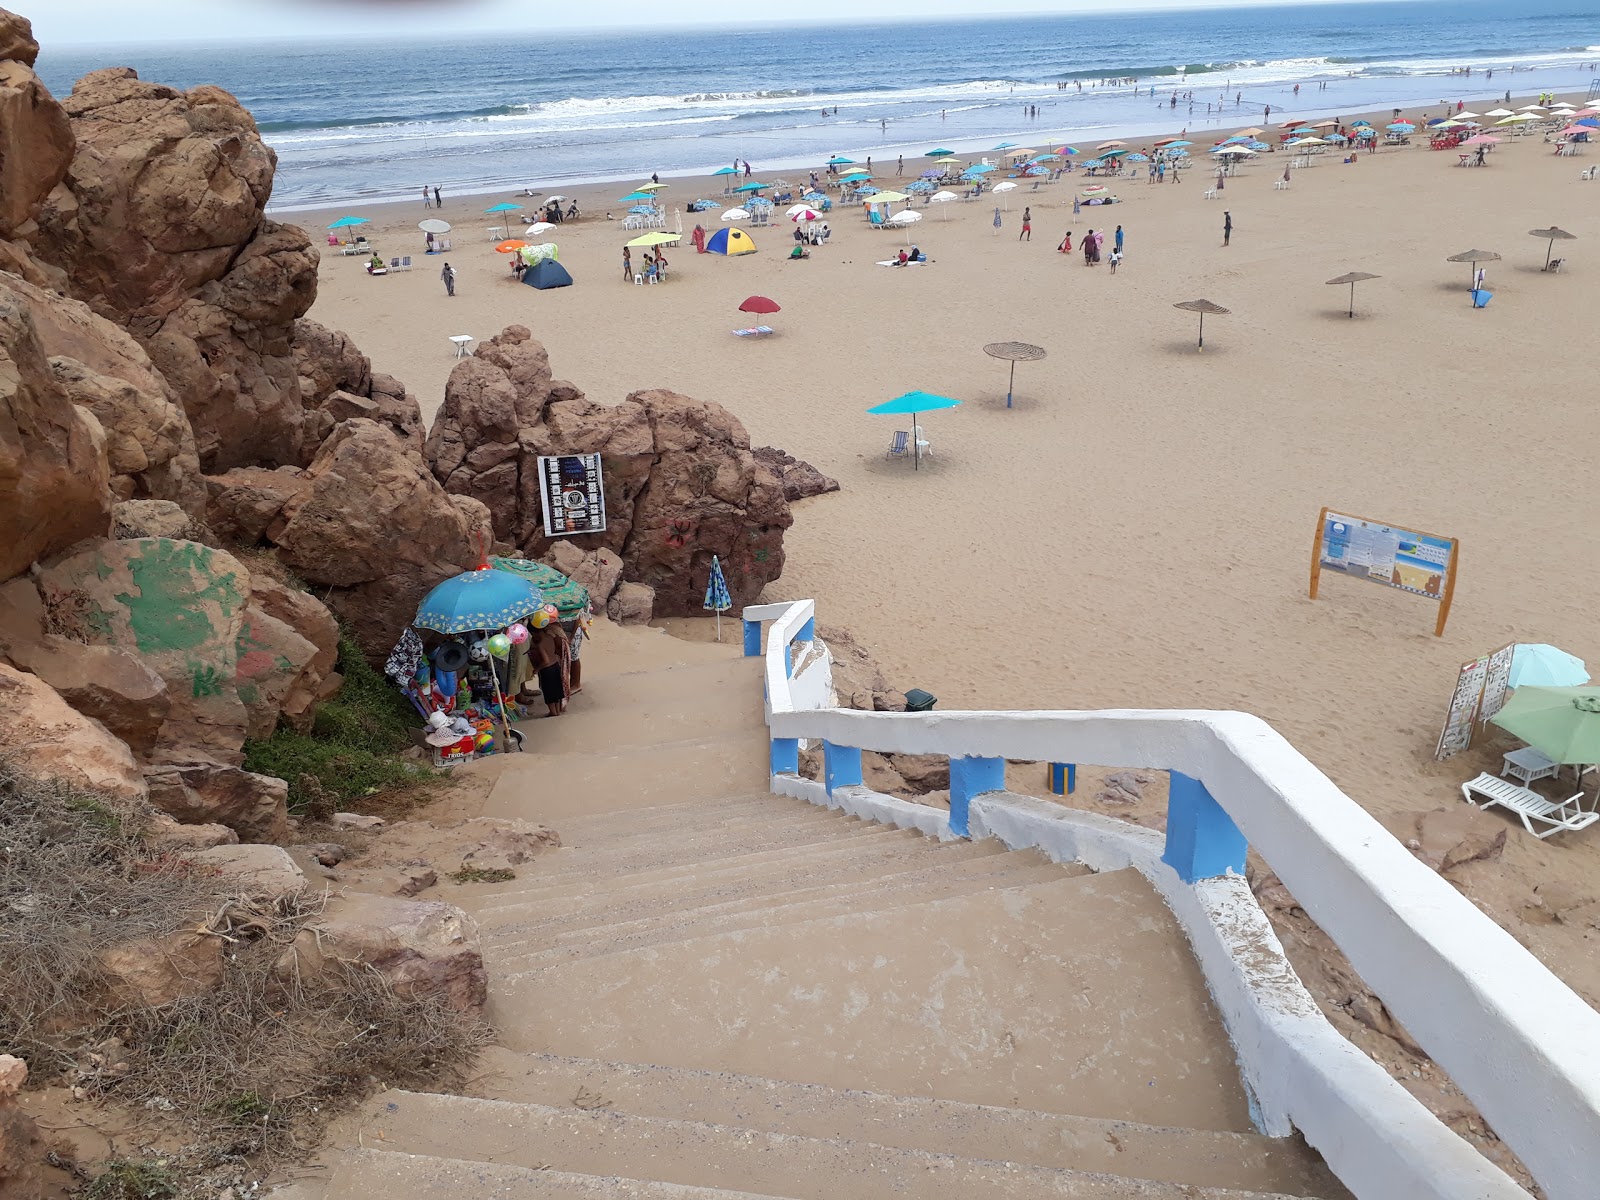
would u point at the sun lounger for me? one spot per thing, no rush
(758, 331)
(1529, 805)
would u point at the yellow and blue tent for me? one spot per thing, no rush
(730, 242)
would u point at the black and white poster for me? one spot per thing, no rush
(573, 493)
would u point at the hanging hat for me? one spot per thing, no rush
(450, 656)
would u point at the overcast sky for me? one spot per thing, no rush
(98, 22)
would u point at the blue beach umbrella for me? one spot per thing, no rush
(1179, 142)
(706, 204)
(921, 185)
(1589, 121)
(1006, 146)
(631, 197)
(1093, 162)
(937, 152)
(482, 599)
(836, 161)
(914, 403)
(750, 187)
(725, 171)
(643, 210)
(1534, 664)
(1136, 157)
(1047, 158)
(347, 222)
(499, 208)
(717, 598)
(980, 169)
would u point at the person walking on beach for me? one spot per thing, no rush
(1066, 244)
(449, 277)
(438, 200)
(900, 165)
(1116, 257)
(1027, 226)
(1227, 227)
(427, 200)
(1088, 249)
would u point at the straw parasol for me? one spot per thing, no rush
(1474, 257)
(1202, 307)
(1353, 278)
(1013, 352)
(1551, 235)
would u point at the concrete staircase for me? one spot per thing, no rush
(710, 991)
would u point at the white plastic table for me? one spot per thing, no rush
(462, 342)
(1529, 763)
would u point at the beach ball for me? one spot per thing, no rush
(499, 645)
(555, 613)
(518, 633)
(539, 619)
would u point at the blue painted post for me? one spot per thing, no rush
(808, 631)
(1063, 778)
(752, 639)
(786, 756)
(1202, 840)
(841, 766)
(971, 777)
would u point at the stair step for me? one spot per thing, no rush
(559, 872)
(516, 917)
(563, 775)
(1076, 996)
(611, 920)
(364, 1174)
(625, 828)
(679, 927)
(1205, 1158)
(700, 1154)
(685, 811)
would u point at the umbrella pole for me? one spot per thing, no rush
(1352, 300)
(719, 624)
(1548, 251)
(1011, 383)
(1202, 346)
(916, 445)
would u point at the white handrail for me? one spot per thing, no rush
(1521, 1044)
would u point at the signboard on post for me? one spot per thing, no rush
(572, 490)
(1423, 564)
(1480, 692)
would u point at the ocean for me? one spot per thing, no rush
(377, 119)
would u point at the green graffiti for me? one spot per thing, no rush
(762, 554)
(176, 585)
(207, 682)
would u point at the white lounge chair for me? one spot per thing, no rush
(1529, 805)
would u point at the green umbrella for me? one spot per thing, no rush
(569, 598)
(1561, 722)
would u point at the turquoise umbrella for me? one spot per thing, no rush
(750, 187)
(482, 599)
(1534, 664)
(836, 161)
(717, 598)
(726, 171)
(631, 197)
(346, 222)
(503, 208)
(1006, 146)
(913, 403)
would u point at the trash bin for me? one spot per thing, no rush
(918, 700)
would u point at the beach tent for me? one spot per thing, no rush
(547, 273)
(731, 241)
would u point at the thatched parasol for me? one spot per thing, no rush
(1353, 278)
(1551, 235)
(1013, 352)
(1202, 307)
(1474, 257)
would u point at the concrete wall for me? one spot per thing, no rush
(1518, 1042)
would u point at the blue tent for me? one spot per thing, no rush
(547, 273)
(730, 242)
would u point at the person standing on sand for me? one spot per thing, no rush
(427, 200)
(1027, 226)
(900, 165)
(449, 277)
(549, 655)
(627, 265)
(438, 200)
(1088, 249)
(1227, 227)
(1117, 242)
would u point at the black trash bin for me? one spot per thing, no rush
(918, 700)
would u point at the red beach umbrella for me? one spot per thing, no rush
(761, 305)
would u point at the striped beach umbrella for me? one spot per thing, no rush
(717, 598)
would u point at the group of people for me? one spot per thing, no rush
(906, 257)
(654, 267)
(553, 213)
(1092, 245)
(431, 198)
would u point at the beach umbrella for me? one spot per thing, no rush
(1110, 145)
(1202, 307)
(1534, 664)
(1400, 127)
(802, 212)
(725, 171)
(1353, 278)
(633, 196)
(1531, 108)
(1236, 151)
(1563, 723)
(1113, 153)
(1551, 235)
(950, 161)
(717, 598)
(866, 191)
(736, 214)
(1013, 352)
(836, 161)
(757, 202)
(908, 218)
(1094, 162)
(434, 226)
(937, 152)
(1518, 119)
(890, 197)
(500, 208)
(921, 187)
(642, 210)
(1366, 131)
(1483, 139)
(750, 187)
(913, 403)
(1138, 158)
(1047, 158)
(481, 599)
(537, 228)
(979, 169)
(943, 198)
(932, 174)
(1474, 257)
(1587, 123)
(1007, 186)
(760, 305)
(570, 597)
(1005, 145)
(657, 238)
(651, 187)
(1069, 151)
(347, 222)
(509, 247)
(1024, 153)
(1498, 112)
(1179, 142)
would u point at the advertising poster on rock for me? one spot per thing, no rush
(573, 492)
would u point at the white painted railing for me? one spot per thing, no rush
(1521, 1044)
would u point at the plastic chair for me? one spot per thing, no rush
(405, 263)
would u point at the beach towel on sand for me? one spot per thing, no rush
(891, 262)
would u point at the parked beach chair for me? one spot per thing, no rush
(394, 264)
(758, 331)
(1280, 185)
(1529, 805)
(1211, 193)
(405, 263)
(875, 218)
(1555, 264)
(900, 445)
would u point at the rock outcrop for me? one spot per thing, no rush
(681, 482)
(256, 807)
(36, 140)
(57, 742)
(800, 479)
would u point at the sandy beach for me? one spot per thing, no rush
(1136, 531)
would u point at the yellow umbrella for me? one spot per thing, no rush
(1022, 154)
(654, 239)
(948, 161)
(887, 198)
(649, 187)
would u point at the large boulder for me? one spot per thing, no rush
(55, 485)
(801, 480)
(51, 740)
(245, 504)
(36, 140)
(265, 871)
(310, 620)
(16, 38)
(422, 947)
(155, 971)
(256, 807)
(181, 607)
(378, 528)
(158, 518)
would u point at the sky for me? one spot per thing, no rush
(100, 22)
